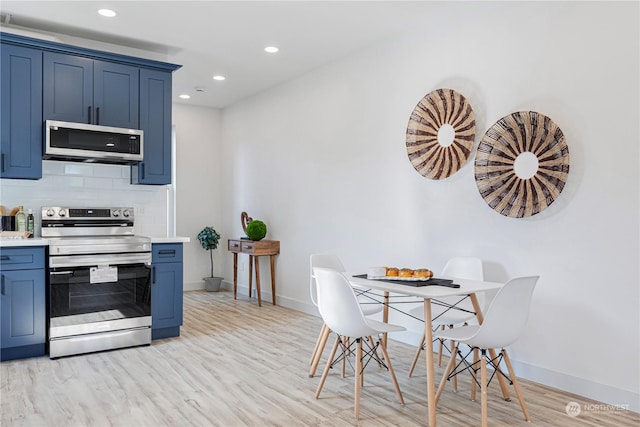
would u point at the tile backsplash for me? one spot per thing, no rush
(90, 185)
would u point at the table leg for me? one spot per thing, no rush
(385, 315)
(428, 339)
(255, 258)
(235, 275)
(272, 260)
(492, 351)
(250, 274)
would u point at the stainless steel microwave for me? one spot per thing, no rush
(92, 143)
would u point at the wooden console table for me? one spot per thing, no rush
(254, 249)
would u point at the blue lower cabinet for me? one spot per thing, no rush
(166, 290)
(22, 305)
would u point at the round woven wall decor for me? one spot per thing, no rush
(440, 112)
(518, 136)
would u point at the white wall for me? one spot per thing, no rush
(322, 161)
(198, 187)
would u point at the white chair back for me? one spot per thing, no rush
(507, 314)
(339, 306)
(324, 261)
(462, 268)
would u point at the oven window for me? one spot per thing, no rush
(79, 295)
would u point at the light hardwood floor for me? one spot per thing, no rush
(239, 365)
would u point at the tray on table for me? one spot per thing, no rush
(433, 281)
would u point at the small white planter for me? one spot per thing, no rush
(212, 284)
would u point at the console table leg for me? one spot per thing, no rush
(250, 274)
(258, 280)
(235, 275)
(272, 259)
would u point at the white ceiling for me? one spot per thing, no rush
(226, 37)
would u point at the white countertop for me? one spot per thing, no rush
(14, 243)
(175, 239)
(39, 241)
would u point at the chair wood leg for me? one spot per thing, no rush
(416, 357)
(483, 387)
(516, 386)
(358, 384)
(328, 367)
(314, 366)
(440, 348)
(447, 371)
(454, 355)
(383, 348)
(346, 342)
(474, 377)
(317, 346)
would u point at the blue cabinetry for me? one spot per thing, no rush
(166, 290)
(83, 90)
(21, 112)
(155, 121)
(22, 305)
(43, 80)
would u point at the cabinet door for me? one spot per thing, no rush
(21, 111)
(155, 121)
(67, 88)
(166, 295)
(115, 95)
(22, 321)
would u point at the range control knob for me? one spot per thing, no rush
(62, 212)
(50, 212)
(115, 213)
(126, 213)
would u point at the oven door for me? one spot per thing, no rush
(88, 299)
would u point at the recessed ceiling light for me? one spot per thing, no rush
(107, 12)
(271, 49)
(185, 96)
(219, 78)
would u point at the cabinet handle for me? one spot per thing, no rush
(141, 170)
(167, 252)
(89, 114)
(5, 257)
(3, 289)
(153, 275)
(2, 162)
(97, 115)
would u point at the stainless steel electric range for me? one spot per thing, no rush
(99, 280)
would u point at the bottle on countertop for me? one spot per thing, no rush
(21, 220)
(30, 223)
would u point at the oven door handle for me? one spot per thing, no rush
(61, 273)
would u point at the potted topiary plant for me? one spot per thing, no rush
(209, 239)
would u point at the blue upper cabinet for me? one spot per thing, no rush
(155, 121)
(44, 80)
(21, 112)
(83, 90)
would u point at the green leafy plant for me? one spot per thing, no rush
(209, 239)
(256, 230)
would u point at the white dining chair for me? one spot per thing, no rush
(369, 307)
(503, 324)
(442, 314)
(341, 312)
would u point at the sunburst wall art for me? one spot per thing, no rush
(440, 134)
(522, 164)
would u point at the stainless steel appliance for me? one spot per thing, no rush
(92, 143)
(99, 280)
